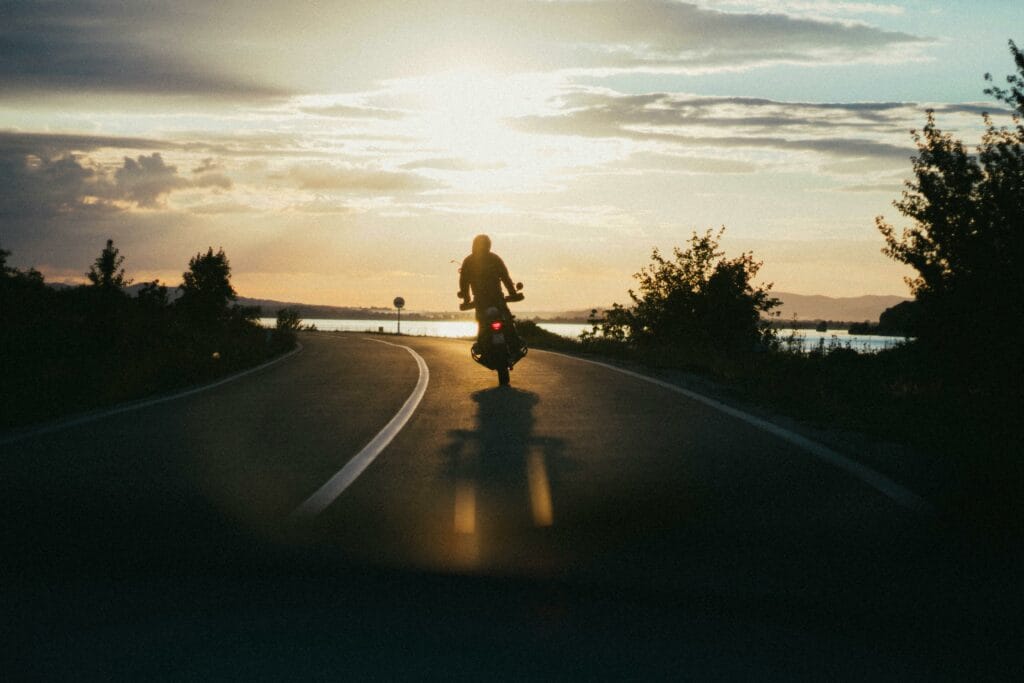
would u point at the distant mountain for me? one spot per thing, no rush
(803, 306)
(850, 309)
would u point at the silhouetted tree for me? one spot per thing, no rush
(206, 290)
(288, 320)
(1014, 97)
(900, 319)
(967, 238)
(106, 273)
(696, 300)
(29, 277)
(153, 295)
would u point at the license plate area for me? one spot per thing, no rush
(497, 338)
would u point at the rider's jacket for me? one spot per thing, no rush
(483, 275)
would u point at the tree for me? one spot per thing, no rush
(106, 273)
(288, 320)
(206, 290)
(153, 296)
(696, 300)
(967, 238)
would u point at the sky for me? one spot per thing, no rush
(345, 153)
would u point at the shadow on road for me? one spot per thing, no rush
(504, 478)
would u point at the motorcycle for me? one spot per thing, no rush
(498, 347)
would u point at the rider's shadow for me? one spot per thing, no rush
(505, 475)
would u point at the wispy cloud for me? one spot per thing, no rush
(346, 111)
(318, 176)
(49, 144)
(235, 49)
(835, 129)
(451, 164)
(812, 8)
(108, 47)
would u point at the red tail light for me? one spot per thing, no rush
(497, 325)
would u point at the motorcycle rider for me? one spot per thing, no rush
(481, 276)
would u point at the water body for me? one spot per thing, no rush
(421, 328)
(810, 340)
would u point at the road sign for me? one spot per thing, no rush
(399, 303)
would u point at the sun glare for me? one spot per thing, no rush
(464, 112)
(463, 115)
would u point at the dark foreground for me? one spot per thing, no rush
(582, 523)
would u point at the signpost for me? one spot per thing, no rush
(399, 304)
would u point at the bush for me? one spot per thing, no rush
(696, 305)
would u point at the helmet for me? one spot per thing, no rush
(481, 244)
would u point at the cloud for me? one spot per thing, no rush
(217, 180)
(38, 186)
(345, 111)
(883, 188)
(103, 46)
(328, 177)
(258, 50)
(44, 175)
(450, 164)
(221, 207)
(683, 37)
(208, 165)
(52, 144)
(811, 8)
(146, 179)
(836, 129)
(645, 162)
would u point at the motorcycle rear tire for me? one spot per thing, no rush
(503, 377)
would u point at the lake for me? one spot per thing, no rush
(862, 343)
(421, 328)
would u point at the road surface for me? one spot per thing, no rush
(638, 507)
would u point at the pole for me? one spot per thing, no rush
(399, 303)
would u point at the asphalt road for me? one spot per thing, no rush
(620, 514)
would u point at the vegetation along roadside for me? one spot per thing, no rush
(953, 392)
(72, 349)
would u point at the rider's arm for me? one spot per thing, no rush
(464, 281)
(504, 276)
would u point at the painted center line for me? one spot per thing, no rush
(337, 484)
(887, 487)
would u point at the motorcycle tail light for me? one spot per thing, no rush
(496, 326)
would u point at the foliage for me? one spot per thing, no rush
(71, 349)
(900, 319)
(206, 291)
(153, 295)
(967, 241)
(696, 301)
(288, 320)
(1014, 97)
(106, 272)
(896, 321)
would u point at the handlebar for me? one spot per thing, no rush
(511, 298)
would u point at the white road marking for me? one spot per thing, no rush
(875, 480)
(137, 405)
(337, 484)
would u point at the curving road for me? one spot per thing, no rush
(575, 476)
